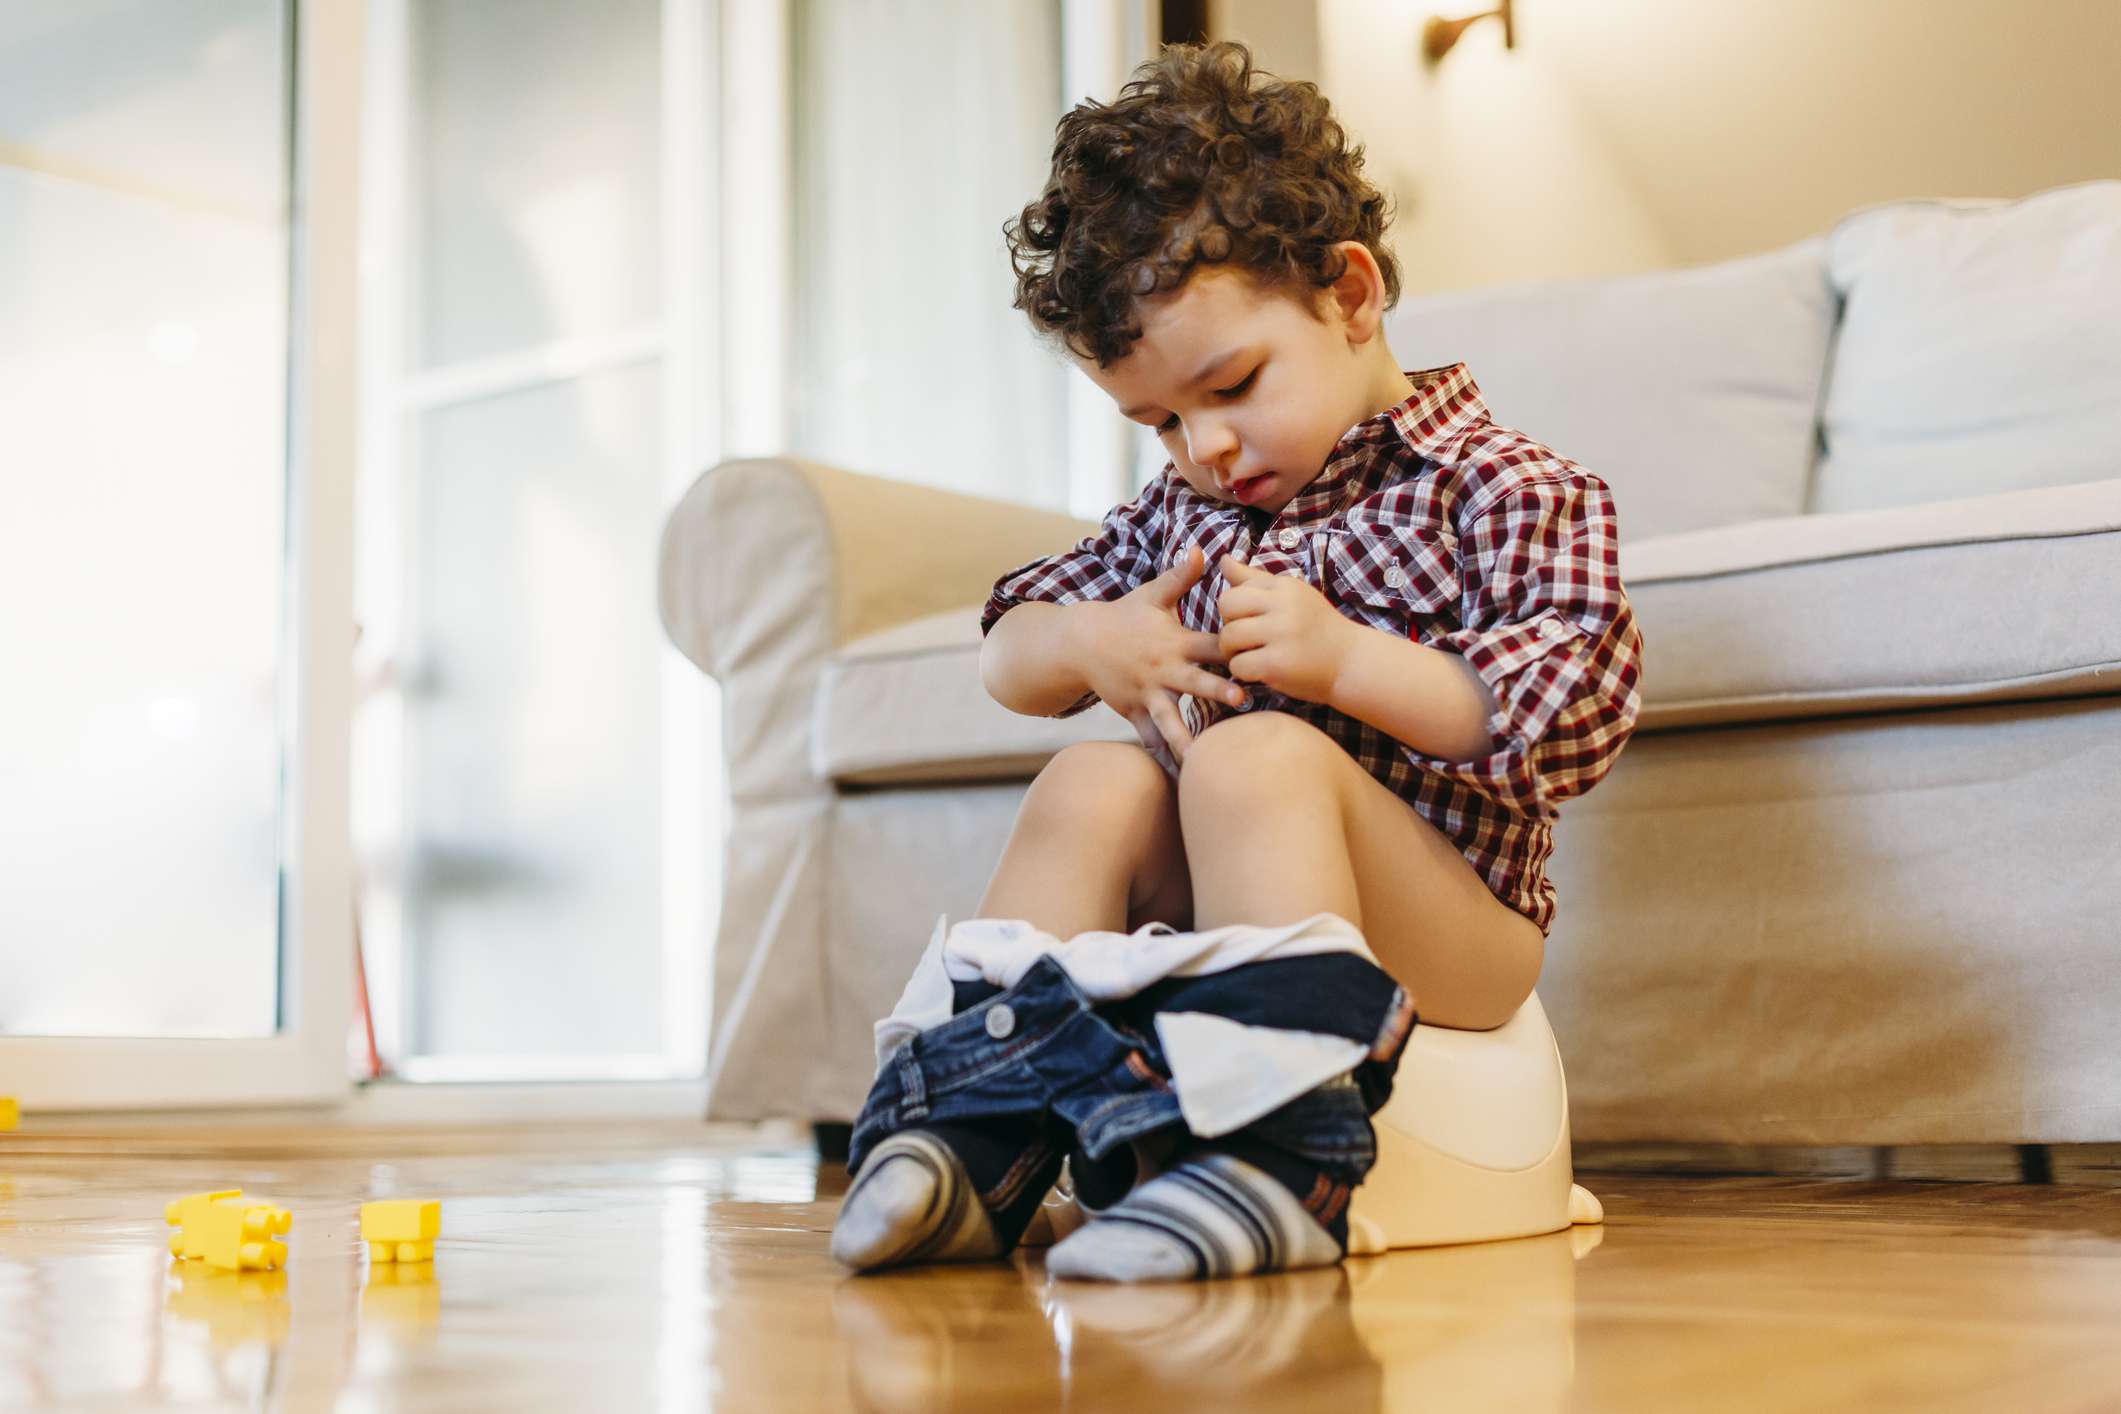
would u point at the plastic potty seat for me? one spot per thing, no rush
(1473, 1146)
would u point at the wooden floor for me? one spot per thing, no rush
(672, 1268)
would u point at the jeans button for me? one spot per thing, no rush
(1000, 1021)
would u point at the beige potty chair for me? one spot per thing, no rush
(1473, 1146)
(1474, 1143)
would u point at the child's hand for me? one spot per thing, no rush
(1280, 631)
(1140, 659)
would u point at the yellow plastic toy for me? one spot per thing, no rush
(238, 1237)
(401, 1229)
(10, 1112)
(181, 1214)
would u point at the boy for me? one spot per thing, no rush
(1368, 639)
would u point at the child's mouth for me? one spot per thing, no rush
(1252, 487)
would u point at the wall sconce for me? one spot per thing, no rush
(1439, 34)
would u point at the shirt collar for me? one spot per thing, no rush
(1444, 406)
(1431, 421)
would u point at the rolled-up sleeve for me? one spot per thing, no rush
(1119, 558)
(1550, 631)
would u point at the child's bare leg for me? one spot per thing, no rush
(1096, 846)
(1280, 823)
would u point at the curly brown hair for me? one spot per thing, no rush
(1201, 160)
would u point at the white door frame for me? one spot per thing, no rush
(305, 1062)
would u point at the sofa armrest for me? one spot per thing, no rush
(756, 545)
(766, 568)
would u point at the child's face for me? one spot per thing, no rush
(1277, 385)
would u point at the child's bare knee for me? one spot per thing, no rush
(1260, 752)
(1099, 781)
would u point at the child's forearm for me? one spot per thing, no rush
(1029, 661)
(1429, 699)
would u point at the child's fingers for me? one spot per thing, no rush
(1203, 647)
(1154, 745)
(1250, 666)
(1210, 688)
(1185, 572)
(1242, 602)
(1163, 712)
(1236, 570)
(1241, 634)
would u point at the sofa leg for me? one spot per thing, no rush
(832, 1139)
(2035, 1164)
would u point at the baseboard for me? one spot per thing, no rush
(2096, 1165)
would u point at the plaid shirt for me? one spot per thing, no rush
(1432, 523)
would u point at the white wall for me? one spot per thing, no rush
(1495, 167)
(1282, 34)
(1633, 134)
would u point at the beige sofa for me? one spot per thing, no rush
(1857, 879)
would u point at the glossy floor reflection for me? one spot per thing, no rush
(673, 1268)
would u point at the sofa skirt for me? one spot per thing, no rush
(1895, 929)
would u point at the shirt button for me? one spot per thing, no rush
(1000, 1021)
(1551, 628)
(1289, 538)
(1395, 578)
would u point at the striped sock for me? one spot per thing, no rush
(1210, 1214)
(913, 1203)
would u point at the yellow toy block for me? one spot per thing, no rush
(401, 1229)
(10, 1112)
(239, 1237)
(180, 1213)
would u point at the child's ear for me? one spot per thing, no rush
(1359, 294)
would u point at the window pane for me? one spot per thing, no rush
(143, 275)
(538, 159)
(533, 724)
(909, 360)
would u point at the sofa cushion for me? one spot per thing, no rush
(907, 705)
(1694, 394)
(1979, 351)
(1995, 598)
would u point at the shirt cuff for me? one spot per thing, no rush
(1533, 668)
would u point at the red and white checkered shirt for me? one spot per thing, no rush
(1432, 523)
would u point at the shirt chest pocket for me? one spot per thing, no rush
(1395, 573)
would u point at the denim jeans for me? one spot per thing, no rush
(1042, 1063)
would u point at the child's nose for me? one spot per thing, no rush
(1212, 445)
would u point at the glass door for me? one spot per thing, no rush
(176, 272)
(536, 807)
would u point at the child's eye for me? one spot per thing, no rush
(1170, 424)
